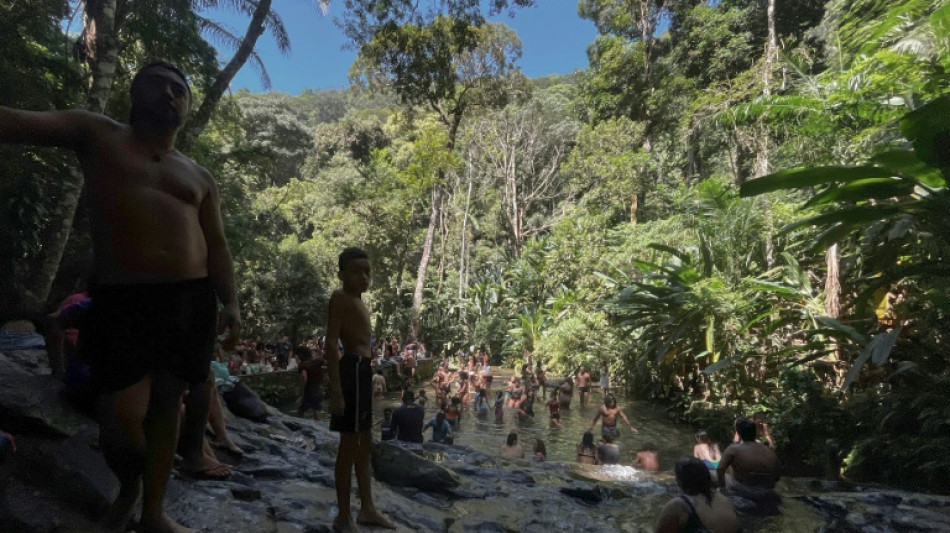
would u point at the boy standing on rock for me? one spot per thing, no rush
(351, 390)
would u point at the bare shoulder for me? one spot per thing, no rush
(340, 301)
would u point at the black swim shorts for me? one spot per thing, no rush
(138, 328)
(356, 385)
(584, 389)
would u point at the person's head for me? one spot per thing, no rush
(557, 416)
(587, 441)
(354, 270)
(388, 413)
(408, 397)
(160, 95)
(610, 401)
(499, 394)
(422, 393)
(583, 369)
(608, 438)
(702, 437)
(440, 417)
(648, 447)
(746, 430)
(456, 401)
(693, 477)
(539, 447)
(379, 372)
(512, 438)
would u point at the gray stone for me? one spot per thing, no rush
(33, 405)
(401, 467)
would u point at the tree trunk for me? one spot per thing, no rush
(424, 264)
(101, 52)
(833, 303)
(463, 253)
(199, 119)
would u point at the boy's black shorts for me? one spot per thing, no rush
(356, 385)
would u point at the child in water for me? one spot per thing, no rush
(540, 452)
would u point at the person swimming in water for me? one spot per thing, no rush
(587, 451)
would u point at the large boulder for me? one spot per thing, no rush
(403, 467)
(33, 404)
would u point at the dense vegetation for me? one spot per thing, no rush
(637, 212)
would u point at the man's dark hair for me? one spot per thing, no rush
(303, 353)
(746, 430)
(348, 255)
(693, 477)
(608, 438)
(648, 447)
(512, 438)
(164, 65)
(408, 396)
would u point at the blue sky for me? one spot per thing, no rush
(554, 41)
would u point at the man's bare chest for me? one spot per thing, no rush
(122, 172)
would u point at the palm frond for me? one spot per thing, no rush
(261, 70)
(219, 32)
(276, 26)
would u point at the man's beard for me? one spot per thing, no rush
(160, 115)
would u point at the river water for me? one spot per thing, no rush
(671, 440)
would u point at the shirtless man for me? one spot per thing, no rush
(609, 411)
(583, 385)
(753, 464)
(160, 260)
(351, 396)
(565, 392)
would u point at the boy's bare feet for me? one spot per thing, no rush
(163, 524)
(345, 525)
(123, 508)
(374, 518)
(206, 468)
(227, 444)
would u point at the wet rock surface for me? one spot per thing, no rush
(58, 481)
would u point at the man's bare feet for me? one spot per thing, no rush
(162, 524)
(123, 508)
(345, 525)
(374, 518)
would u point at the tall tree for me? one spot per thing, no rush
(450, 67)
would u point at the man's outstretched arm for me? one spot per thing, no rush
(67, 129)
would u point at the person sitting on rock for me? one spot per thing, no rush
(586, 451)
(441, 430)
(699, 508)
(647, 458)
(754, 469)
(707, 451)
(511, 449)
(608, 453)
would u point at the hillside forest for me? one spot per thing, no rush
(741, 205)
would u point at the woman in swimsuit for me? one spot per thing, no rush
(586, 451)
